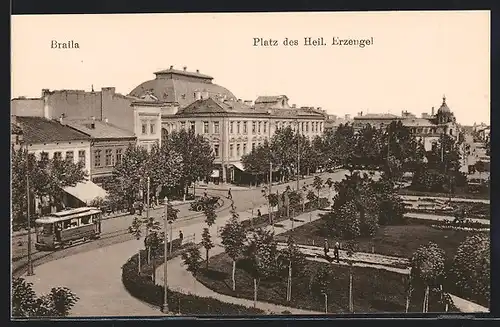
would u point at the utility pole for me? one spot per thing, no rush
(165, 254)
(30, 262)
(147, 219)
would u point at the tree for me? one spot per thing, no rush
(25, 303)
(480, 168)
(136, 230)
(197, 156)
(192, 260)
(343, 220)
(318, 185)
(339, 146)
(261, 253)
(257, 161)
(391, 206)
(427, 268)
(368, 147)
(233, 239)
(471, 266)
(351, 248)
(329, 182)
(292, 262)
(206, 242)
(400, 143)
(209, 212)
(164, 167)
(128, 174)
(48, 178)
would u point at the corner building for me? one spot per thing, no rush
(190, 100)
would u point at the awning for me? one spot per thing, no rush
(239, 165)
(86, 191)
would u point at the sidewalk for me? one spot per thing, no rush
(453, 199)
(183, 281)
(378, 261)
(427, 216)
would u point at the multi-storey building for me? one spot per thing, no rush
(190, 100)
(427, 128)
(107, 146)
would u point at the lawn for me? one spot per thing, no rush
(401, 240)
(373, 290)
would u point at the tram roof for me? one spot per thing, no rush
(67, 214)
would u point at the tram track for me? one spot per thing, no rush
(20, 264)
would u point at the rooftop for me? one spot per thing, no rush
(15, 129)
(98, 129)
(377, 116)
(41, 130)
(270, 98)
(184, 72)
(416, 122)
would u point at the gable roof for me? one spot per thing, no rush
(101, 130)
(41, 130)
(270, 98)
(377, 116)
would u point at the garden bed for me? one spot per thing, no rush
(407, 191)
(141, 286)
(399, 240)
(374, 290)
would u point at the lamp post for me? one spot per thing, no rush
(165, 254)
(28, 211)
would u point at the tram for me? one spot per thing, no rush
(65, 228)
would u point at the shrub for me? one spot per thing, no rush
(143, 288)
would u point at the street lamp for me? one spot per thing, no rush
(30, 262)
(165, 254)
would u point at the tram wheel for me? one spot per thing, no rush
(199, 207)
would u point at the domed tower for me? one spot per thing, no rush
(444, 114)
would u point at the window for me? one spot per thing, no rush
(302, 128)
(118, 156)
(244, 127)
(244, 148)
(238, 127)
(231, 126)
(253, 127)
(253, 146)
(57, 155)
(44, 156)
(109, 157)
(216, 127)
(320, 127)
(205, 127)
(265, 127)
(85, 220)
(238, 150)
(70, 155)
(81, 156)
(216, 150)
(97, 158)
(192, 125)
(152, 126)
(144, 128)
(307, 127)
(258, 127)
(231, 150)
(183, 125)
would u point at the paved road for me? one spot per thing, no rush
(93, 270)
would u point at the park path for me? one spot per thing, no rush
(453, 199)
(428, 216)
(378, 261)
(181, 280)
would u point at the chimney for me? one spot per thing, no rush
(184, 68)
(197, 95)
(239, 100)
(432, 111)
(198, 71)
(425, 115)
(171, 67)
(347, 117)
(361, 113)
(248, 102)
(294, 105)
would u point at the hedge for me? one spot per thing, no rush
(141, 286)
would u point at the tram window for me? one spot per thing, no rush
(66, 224)
(86, 220)
(74, 222)
(47, 229)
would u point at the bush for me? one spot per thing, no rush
(143, 288)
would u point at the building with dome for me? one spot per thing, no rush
(190, 100)
(428, 128)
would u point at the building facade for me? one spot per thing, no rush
(428, 128)
(108, 145)
(16, 134)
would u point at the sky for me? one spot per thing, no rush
(415, 58)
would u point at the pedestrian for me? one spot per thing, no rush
(181, 236)
(336, 249)
(229, 196)
(258, 213)
(326, 248)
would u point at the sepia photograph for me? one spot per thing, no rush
(250, 164)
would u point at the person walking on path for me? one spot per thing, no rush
(336, 249)
(229, 196)
(326, 248)
(258, 213)
(181, 236)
